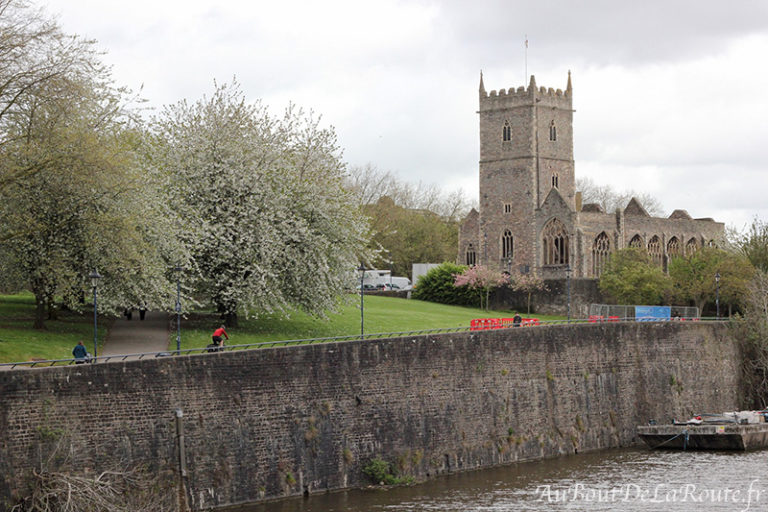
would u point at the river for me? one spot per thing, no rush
(628, 479)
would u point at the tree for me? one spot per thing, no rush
(266, 218)
(409, 223)
(527, 283)
(482, 280)
(754, 244)
(631, 277)
(437, 285)
(610, 200)
(693, 276)
(36, 56)
(753, 334)
(84, 203)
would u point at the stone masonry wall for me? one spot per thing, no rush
(279, 422)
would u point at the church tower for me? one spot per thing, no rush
(526, 158)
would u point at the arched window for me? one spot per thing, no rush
(601, 250)
(552, 131)
(506, 132)
(654, 249)
(673, 248)
(637, 241)
(471, 255)
(691, 246)
(555, 243)
(507, 244)
(555, 180)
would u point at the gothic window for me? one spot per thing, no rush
(691, 246)
(552, 131)
(636, 241)
(507, 244)
(601, 250)
(471, 255)
(506, 132)
(673, 248)
(507, 207)
(654, 249)
(555, 243)
(555, 180)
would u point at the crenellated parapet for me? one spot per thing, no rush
(504, 98)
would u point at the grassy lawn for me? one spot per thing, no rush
(382, 315)
(19, 342)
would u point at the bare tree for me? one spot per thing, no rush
(610, 199)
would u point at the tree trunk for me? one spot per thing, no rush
(41, 312)
(529, 302)
(230, 319)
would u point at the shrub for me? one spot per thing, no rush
(380, 471)
(438, 286)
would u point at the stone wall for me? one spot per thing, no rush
(279, 422)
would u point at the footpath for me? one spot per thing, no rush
(136, 336)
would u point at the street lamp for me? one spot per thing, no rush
(717, 294)
(95, 282)
(361, 268)
(568, 285)
(178, 270)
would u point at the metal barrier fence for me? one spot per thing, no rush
(623, 311)
(312, 341)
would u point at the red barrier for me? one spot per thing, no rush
(613, 319)
(595, 318)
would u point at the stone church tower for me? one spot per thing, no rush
(531, 218)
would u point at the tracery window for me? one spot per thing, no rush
(637, 241)
(691, 246)
(507, 244)
(471, 255)
(506, 132)
(673, 248)
(654, 250)
(601, 251)
(555, 243)
(552, 131)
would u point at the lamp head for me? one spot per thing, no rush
(95, 276)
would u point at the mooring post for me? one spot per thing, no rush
(183, 503)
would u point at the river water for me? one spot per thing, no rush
(627, 480)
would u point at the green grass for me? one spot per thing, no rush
(382, 315)
(20, 342)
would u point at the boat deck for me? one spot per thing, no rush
(730, 436)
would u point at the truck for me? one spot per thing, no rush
(384, 280)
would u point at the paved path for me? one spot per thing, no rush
(135, 336)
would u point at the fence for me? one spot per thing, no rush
(612, 311)
(475, 325)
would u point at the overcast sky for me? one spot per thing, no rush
(671, 97)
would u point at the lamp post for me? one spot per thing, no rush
(178, 270)
(568, 285)
(95, 282)
(361, 268)
(717, 294)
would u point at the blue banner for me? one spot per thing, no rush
(652, 313)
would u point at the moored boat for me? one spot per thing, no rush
(741, 430)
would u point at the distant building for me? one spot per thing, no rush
(531, 218)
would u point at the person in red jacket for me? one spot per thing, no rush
(217, 336)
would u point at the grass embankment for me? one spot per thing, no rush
(20, 342)
(382, 315)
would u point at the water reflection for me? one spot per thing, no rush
(629, 480)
